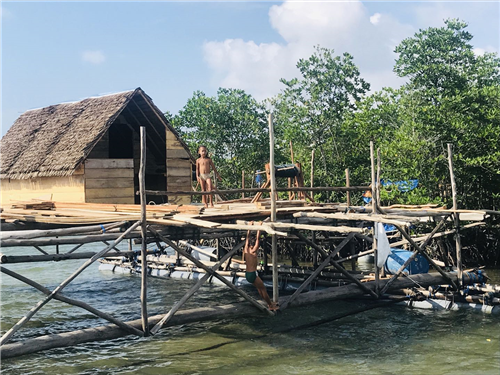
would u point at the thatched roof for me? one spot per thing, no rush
(55, 140)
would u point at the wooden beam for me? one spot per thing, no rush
(336, 265)
(126, 327)
(144, 235)
(194, 289)
(210, 271)
(8, 335)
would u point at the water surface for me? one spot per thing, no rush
(387, 340)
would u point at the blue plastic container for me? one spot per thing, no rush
(398, 257)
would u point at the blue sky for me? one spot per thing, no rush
(55, 52)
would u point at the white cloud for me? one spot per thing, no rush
(375, 19)
(482, 51)
(342, 26)
(93, 57)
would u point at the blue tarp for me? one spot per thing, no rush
(403, 186)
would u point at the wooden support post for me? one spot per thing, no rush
(377, 200)
(274, 239)
(243, 184)
(315, 252)
(336, 265)
(348, 184)
(144, 235)
(312, 173)
(74, 302)
(194, 288)
(211, 272)
(374, 210)
(458, 242)
(7, 336)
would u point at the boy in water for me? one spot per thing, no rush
(250, 253)
(204, 168)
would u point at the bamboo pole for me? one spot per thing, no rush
(458, 241)
(28, 234)
(194, 289)
(348, 184)
(7, 336)
(311, 192)
(359, 217)
(210, 271)
(260, 190)
(374, 210)
(128, 328)
(274, 240)
(63, 241)
(144, 234)
(243, 184)
(377, 200)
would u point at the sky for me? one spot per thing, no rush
(56, 52)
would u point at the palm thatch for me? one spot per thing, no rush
(55, 140)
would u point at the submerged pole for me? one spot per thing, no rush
(144, 234)
(274, 243)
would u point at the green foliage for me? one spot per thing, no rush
(232, 125)
(451, 96)
(310, 113)
(417, 196)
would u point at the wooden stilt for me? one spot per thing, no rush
(347, 184)
(274, 240)
(312, 173)
(374, 210)
(194, 289)
(74, 302)
(7, 336)
(336, 265)
(210, 271)
(318, 270)
(458, 241)
(144, 234)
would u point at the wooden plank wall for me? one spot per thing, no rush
(179, 169)
(62, 189)
(109, 181)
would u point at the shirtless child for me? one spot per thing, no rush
(250, 253)
(204, 168)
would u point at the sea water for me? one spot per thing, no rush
(389, 340)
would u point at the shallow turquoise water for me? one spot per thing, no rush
(389, 340)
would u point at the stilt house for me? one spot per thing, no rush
(89, 151)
